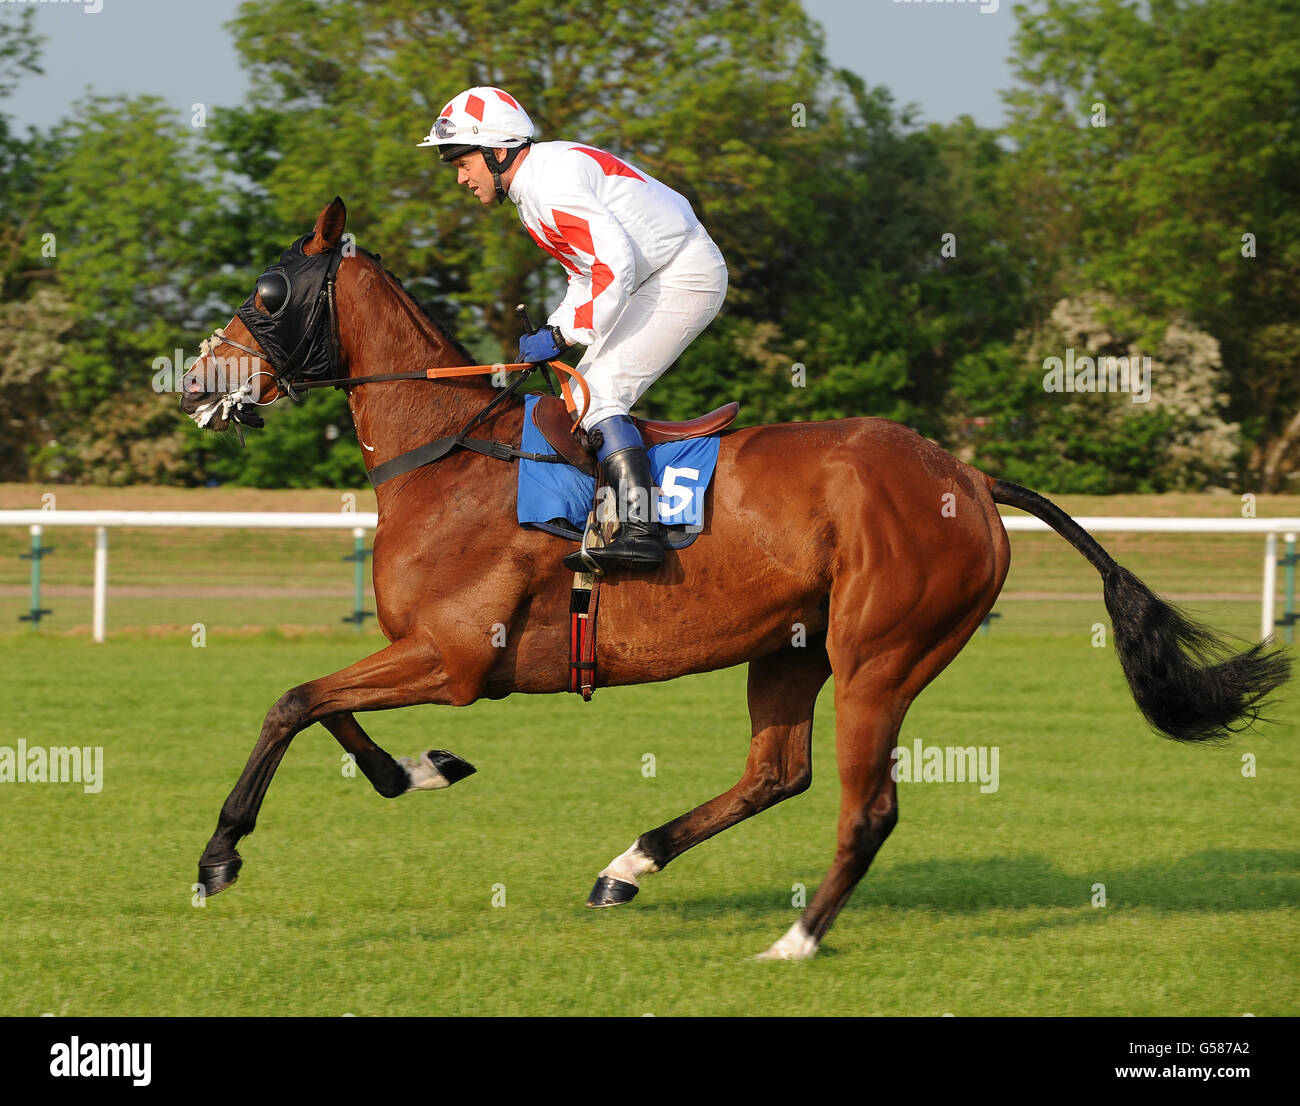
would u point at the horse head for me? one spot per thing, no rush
(285, 332)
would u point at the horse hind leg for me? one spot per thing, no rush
(869, 712)
(871, 698)
(783, 689)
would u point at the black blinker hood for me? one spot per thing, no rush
(299, 339)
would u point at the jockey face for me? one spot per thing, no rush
(473, 173)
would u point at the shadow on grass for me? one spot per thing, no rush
(1214, 881)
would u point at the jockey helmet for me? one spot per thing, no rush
(482, 118)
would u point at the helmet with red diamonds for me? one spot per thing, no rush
(480, 118)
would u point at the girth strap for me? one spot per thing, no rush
(584, 601)
(435, 451)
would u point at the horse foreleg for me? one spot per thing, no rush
(431, 771)
(783, 688)
(405, 673)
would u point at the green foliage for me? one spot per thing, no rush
(1095, 442)
(32, 335)
(1200, 146)
(877, 267)
(19, 199)
(121, 220)
(303, 445)
(699, 92)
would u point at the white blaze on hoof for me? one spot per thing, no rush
(631, 864)
(797, 944)
(423, 773)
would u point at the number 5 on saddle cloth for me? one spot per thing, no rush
(558, 498)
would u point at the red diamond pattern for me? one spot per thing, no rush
(609, 163)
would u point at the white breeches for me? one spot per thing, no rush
(661, 319)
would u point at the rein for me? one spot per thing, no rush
(439, 448)
(436, 450)
(562, 370)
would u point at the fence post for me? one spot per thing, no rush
(1270, 589)
(38, 551)
(1289, 616)
(101, 581)
(358, 556)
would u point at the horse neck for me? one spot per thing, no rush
(383, 330)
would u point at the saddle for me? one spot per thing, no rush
(552, 418)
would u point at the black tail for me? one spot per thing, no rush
(1186, 681)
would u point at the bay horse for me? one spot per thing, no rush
(883, 549)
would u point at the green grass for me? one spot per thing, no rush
(349, 903)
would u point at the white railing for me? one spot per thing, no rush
(359, 523)
(36, 521)
(216, 520)
(1269, 527)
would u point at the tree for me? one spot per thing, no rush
(1158, 160)
(1165, 431)
(129, 219)
(32, 335)
(19, 197)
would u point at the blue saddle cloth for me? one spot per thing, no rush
(681, 470)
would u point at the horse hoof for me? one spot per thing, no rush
(452, 767)
(435, 770)
(611, 892)
(797, 944)
(217, 877)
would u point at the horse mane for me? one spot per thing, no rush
(424, 312)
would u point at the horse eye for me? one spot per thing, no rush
(274, 290)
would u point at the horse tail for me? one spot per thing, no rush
(1187, 682)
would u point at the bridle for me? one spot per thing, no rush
(317, 350)
(298, 325)
(297, 329)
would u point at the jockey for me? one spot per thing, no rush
(644, 279)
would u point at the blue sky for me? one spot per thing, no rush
(947, 58)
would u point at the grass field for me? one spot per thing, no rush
(979, 904)
(349, 903)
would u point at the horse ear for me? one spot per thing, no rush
(329, 227)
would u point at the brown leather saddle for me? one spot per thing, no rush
(552, 418)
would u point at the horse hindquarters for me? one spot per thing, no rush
(914, 579)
